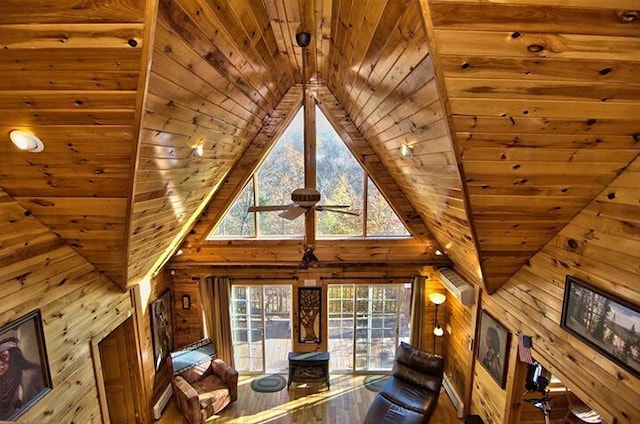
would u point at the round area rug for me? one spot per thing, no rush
(269, 383)
(375, 382)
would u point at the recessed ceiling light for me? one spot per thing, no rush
(25, 140)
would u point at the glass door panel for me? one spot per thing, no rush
(379, 320)
(341, 308)
(261, 327)
(247, 328)
(277, 326)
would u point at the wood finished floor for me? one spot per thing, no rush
(345, 403)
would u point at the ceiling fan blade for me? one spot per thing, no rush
(292, 212)
(333, 206)
(268, 208)
(329, 209)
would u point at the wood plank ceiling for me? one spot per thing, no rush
(70, 73)
(545, 104)
(518, 112)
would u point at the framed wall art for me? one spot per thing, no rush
(493, 346)
(24, 368)
(309, 314)
(161, 328)
(608, 324)
(186, 301)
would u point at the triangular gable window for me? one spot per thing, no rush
(341, 180)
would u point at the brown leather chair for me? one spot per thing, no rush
(411, 393)
(202, 385)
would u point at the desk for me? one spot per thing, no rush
(308, 367)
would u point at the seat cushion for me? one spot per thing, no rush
(213, 395)
(409, 396)
(383, 411)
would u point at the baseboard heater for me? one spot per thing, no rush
(158, 407)
(454, 396)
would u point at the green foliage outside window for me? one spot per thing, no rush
(340, 180)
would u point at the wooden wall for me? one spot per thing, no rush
(188, 322)
(461, 321)
(203, 90)
(78, 304)
(601, 246)
(71, 74)
(388, 88)
(144, 294)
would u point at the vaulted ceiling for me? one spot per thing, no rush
(519, 113)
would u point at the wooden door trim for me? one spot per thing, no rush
(97, 371)
(143, 414)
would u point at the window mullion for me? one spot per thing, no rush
(256, 215)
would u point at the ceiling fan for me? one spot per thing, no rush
(304, 200)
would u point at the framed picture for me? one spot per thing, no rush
(309, 314)
(606, 323)
(492, 349)
(24, 368)
(161, 328)
(186, 301)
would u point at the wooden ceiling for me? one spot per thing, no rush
(519, 113)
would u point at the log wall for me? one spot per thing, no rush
(78, 305)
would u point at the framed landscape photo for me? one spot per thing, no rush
(493, 346)
(161, 328)
(24, 368)
(606, 323)
(309, 314)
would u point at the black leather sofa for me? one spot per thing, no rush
(411, 394)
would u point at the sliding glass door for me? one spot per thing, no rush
(366, 323)
(261, 327)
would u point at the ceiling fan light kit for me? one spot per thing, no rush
(309, 259)
(303, 39)
(305, 197)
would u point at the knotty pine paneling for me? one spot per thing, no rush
(244, 168)
(460, 320)
(372, 165)
(544, 106)
(78, 303)
(289, 252)
(601, 245)
(146, 293)
(71, 75)
(203, 89)
(395, 100)
(188, 322)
